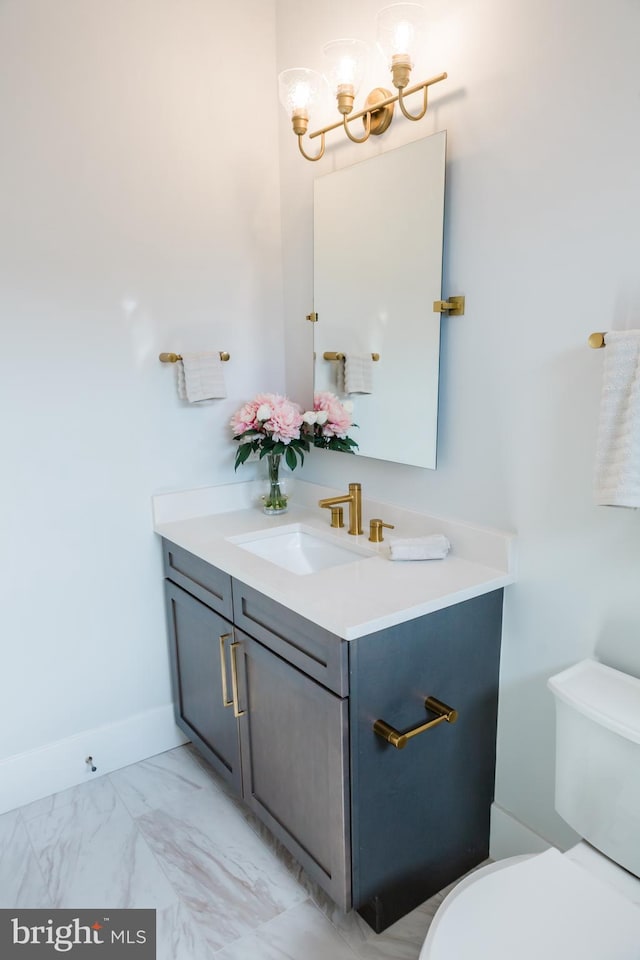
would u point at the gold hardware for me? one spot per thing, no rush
(381, 117)
(399, 740)
(376, 116)
(226, 702)
(174, 357)
(375, 530)
(332, 355)
(453, 307)
(596, 340)
(354, 499)
(337, 517)
(312, 317)
(237, 712)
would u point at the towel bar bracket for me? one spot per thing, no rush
(453, 307)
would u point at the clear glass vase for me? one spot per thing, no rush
(275, 500)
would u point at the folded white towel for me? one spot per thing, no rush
(617, 473)
(434, 547)
(358, 373)
(201, 377)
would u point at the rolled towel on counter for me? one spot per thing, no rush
(434, 547)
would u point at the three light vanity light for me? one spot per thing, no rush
(399, 29)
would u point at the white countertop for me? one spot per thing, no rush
(353, 599)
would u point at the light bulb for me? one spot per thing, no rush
(399, 29)
(347, 62)
(299, 89)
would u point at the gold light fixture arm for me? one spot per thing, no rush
(380, 105)
(320, 153)
(405, 112)
(399, 740)
(367, 129)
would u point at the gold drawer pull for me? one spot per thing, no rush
(399, 740)
(226, 702)
(237, 712)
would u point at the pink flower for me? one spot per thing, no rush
(338, 420)
(285, 420)
(270, 414)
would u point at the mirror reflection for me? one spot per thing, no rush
(378, 229)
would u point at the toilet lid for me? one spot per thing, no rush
(542, 907)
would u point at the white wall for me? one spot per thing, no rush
(138, 214)
(542, 203)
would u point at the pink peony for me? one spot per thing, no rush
(338, 419)
(271, 414)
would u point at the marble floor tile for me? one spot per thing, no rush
(301, 933)
(230, 881)
(168, 782)
(21, 881)
(91, 853)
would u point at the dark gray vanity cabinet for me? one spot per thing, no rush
(269, 711)
(380, 829)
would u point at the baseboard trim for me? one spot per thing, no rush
(56, 766)
(509, 837)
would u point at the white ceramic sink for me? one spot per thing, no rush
(300, 549)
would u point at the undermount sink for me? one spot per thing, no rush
(300, 549)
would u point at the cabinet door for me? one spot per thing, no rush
(294, 736)
(195, 633)
(420, 815)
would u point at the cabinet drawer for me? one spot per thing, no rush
(315, 651)
(199, 578)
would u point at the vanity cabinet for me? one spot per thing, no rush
(380, 829)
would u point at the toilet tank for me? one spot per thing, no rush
(598, 758)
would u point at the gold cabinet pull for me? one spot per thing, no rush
(226, 702)
(399, 740)
(234, 682)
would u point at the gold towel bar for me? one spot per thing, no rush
(330, 355)
(174, 357)
(397, 739)
(596, 340)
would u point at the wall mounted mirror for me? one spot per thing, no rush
(378, 229)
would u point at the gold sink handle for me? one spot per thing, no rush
(399, 740)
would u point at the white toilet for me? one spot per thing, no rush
(583, 904)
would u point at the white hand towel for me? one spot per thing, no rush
(201, 377)
(434, 547)
(617, 474)
(358, 373)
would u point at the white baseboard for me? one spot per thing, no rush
(509, 837)
(56, 766)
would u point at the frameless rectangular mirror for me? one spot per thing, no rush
(378, 229)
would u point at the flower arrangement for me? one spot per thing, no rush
(272, 424)
(327, 424)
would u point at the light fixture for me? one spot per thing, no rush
(399, 31)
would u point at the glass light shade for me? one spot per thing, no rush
(400, 26)
(299, 89)
(347, 64)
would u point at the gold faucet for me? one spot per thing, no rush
(354, 499)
